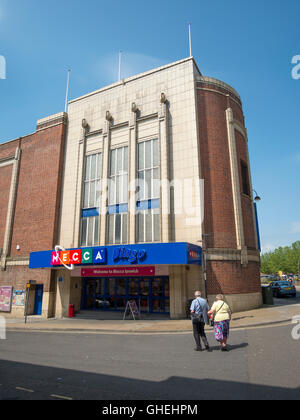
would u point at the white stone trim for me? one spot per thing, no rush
(235, 180)
(7, 162)
(219, 83)
(17, 263)
(11, 206)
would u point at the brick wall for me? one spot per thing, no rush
(18, 277)
(226, 277)
(215, 168)
(38, 193)
(247, 205)
(37, 205)
(230, 277)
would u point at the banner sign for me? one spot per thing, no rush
(118, 272)
(180, 253)
(5, 298)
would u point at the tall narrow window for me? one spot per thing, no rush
(245, 178)
(118, 197)
(148, 205)
(91, 200)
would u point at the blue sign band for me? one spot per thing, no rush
(180, 253)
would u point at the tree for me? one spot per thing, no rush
(285, 259)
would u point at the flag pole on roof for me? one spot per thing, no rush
(120, 60)
(67, 92)
(190, 39)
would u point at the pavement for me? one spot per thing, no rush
(267, 315)
(262, 363)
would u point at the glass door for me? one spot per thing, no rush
(144, 294)
(121, 293)
(160, 301)
(101, 299)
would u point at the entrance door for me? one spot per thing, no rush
(38, 301)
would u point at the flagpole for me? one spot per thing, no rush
(120, 58)
(190, 39)
(67, 92)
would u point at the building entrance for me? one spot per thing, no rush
(112, 294)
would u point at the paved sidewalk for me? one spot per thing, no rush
(268, 315)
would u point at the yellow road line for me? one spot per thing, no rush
(24, 389)
(61, 397)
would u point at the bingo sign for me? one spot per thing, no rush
(5, 298)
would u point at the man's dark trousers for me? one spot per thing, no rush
(199, 334)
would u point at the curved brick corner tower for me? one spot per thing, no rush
(230, 236)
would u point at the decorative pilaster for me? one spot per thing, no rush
(11, 207)
(238, 216)
(164, 168)
(79, 183)
(132, 175)
(105, 176)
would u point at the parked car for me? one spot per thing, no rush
(283, 288)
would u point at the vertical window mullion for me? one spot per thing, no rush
(96, 175)
(114, 229)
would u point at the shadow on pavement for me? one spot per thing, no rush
(230, 347)
(46, 381)
(117, 316)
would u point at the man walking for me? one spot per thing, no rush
(199, 309)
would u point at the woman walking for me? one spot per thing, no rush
(222, 316)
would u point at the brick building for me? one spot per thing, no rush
(30, 193)
(156, 198)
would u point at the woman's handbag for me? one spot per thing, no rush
(212, 320)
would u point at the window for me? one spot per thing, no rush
(118, 197)
(148, 205)
(91, 200)
(92, 177)
(245, 178)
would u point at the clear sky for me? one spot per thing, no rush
(248, 44)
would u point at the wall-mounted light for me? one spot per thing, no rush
(257, 197)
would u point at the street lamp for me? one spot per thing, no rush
(257, 197)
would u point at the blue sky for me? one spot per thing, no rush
(248, 44)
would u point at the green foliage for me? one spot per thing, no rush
(285, 259)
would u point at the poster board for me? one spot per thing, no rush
(18, 298)
(5, 298)
(132, 309)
